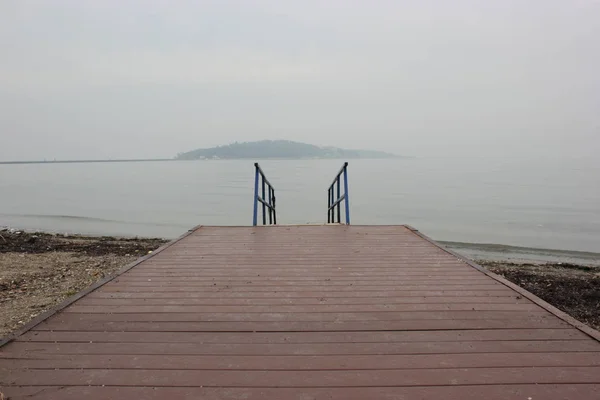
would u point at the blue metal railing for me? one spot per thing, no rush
(334, 203)
(267, 200)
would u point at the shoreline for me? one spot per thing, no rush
(132, 160)
(136, 160)
(518, 254)
(474, 251)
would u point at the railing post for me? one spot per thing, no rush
(255, 215)
(264, 207)
(332, 208)
(274, 207)
(270, 207)
(329, 205)
(347, 201)
(339, 206)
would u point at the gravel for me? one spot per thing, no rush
(574, 289)
(39, 270)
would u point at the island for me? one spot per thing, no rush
(278, 149)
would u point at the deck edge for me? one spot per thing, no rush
(72, 299)
(594, 334)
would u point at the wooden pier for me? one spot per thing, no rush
(303, 312)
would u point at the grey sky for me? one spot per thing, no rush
(88, 79)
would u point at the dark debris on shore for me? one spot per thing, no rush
(574, 289)
(39, 242)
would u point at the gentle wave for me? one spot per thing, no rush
(502, 248)
(53, 216)
(492, 251)
(90, 219)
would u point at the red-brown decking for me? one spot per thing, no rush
(304, 312)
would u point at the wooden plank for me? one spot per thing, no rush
(170, 315)
(150, 282)
(258, 349)
(297, 288)
(282, 284)
(375, 294)
(264, 258)
(296, 274)
(471, 392)
(396, 269)
(330, 280)
(300, 310)
(311, 301)
(296, 362)
(409, 325)
(275, 269)
(301, 379)
(306, 337)
(287, 283)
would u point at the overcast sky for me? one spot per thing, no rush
(150, 78)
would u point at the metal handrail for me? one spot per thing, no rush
(333, 203)
(268, 203)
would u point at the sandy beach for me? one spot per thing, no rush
(39, 270)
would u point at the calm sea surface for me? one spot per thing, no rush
(542, 203)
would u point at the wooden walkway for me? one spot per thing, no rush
(304, 312)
